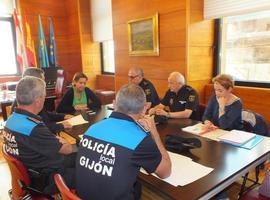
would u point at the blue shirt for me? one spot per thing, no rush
(230, 120)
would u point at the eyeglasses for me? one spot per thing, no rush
(132, 77)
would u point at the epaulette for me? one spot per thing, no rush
(34, 120)
(189, 88)
(145, 83)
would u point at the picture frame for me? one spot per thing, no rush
(143, 36)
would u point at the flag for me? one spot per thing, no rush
(42, 49)
(30, 46)
(52, 45)
(20, 48)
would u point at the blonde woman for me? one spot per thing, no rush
(224, 108)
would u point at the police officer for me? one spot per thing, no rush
(181, 99)
(136, 76)
(112, 151)
(49, 118)
(28, 139)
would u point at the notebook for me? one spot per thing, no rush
(237, 137)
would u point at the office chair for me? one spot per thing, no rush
(261, 192)
(20, 180)
(253, 195)
(65, 192)
(255, 123)
(59, 86)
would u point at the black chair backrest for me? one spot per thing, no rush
(254, 122)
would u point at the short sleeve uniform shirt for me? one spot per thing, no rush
(150, 92)
(186, 98)
(110, 156)
(28, 139)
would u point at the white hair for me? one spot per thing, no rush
(178, 77)
(130, 99)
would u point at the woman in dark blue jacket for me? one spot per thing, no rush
(224, 108)
(79, 97)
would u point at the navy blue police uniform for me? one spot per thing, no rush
(150, 92)
(110, 156)
(28, 139)
(185, 98)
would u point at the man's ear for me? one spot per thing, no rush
(145, 108)
(114, 104)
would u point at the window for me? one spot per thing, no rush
(107, 57)
(8, 64)
(245, 47)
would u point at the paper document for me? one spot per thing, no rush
(77, 120)
(237, 137)
(197, 129)
(184, 170)
(110, 106)
(215, 134)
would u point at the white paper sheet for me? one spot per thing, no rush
(184, 170)
(77, 120)
(237, 137)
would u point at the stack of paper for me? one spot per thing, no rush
(237, 137)
(184, 170)
(77, 120)
(197, 129)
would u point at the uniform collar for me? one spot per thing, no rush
(24, 112)
(182, 89)
(122, 116)
(143, 82)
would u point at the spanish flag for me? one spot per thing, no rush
(20, 47)
(30, 46)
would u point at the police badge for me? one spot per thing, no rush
(191, 98)
(171, 101)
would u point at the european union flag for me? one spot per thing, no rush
(52, 46)
(42, 49)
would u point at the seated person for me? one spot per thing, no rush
(181, 99)
(136, 76)
(49, 118)
(29, 140)
(224, 108)
(112, 151)
(79, 97)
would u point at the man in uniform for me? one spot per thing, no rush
(112, 151)
(181, 99)
(49, 118)
(136, 76)
(28, 139)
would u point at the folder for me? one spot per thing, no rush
(237, 137)
(253, 142)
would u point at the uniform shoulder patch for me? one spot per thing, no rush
(189, 88)
(34, 120)
(145, 83)
(191, 98)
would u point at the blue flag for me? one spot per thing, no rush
(52, 45)
(42, 49)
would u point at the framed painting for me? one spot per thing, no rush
(143, 36)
